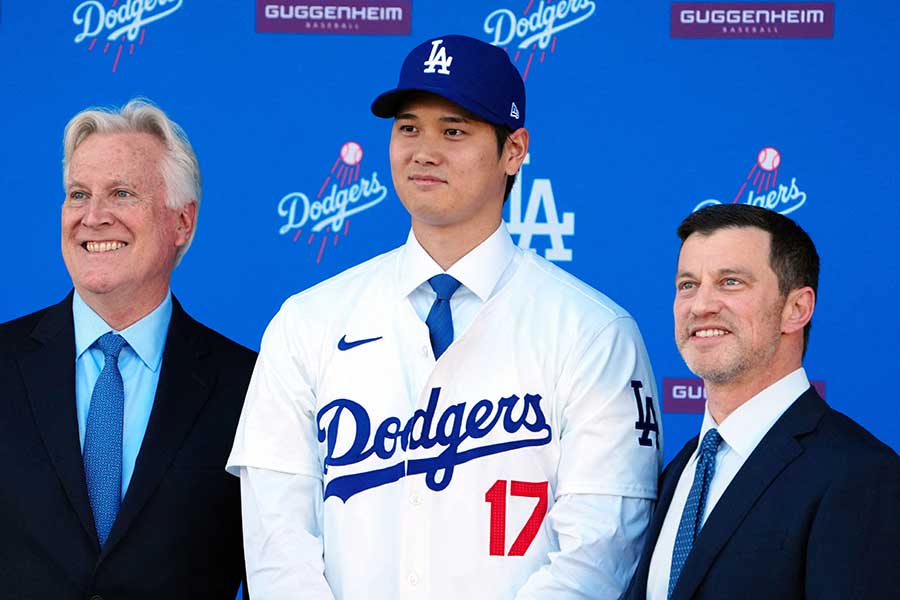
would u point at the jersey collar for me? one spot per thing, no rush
(479, 270)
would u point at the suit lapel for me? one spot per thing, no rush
(184, 386)
(668, 482)
(776, 451)
(49, 374)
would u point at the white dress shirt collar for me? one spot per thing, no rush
(479, 270)
(744, 428)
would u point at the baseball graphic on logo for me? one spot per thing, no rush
(351, 153)
(769, 158)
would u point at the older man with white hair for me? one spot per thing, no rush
(118, 408)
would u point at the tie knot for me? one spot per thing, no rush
(111, 344)
(710, 444)
(444, 286)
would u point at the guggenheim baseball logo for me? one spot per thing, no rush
(378, 17)
(688, 394)
(752, 20)
(343, 193)
(121, 24)
(535, 28)
(761, 187)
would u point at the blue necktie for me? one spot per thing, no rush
(696, 502)
(440, 321)
(103, 438)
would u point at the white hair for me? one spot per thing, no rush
(178, 166)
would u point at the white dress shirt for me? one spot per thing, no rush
(741, 432)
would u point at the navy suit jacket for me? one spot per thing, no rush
(178, 530)
(814, 512)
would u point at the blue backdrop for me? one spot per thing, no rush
(631, 129)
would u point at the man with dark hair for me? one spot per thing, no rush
(784, 498)
(457, 418)
(792, 254)
(118, 408)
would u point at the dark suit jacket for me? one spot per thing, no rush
(178, 531)
(813, 513)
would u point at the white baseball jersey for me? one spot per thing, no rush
(437, 475)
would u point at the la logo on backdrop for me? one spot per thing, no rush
(527, 226)
(322, 220)
(118, 25)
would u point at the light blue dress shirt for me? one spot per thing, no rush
(139, 364)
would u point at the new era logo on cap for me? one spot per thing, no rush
(475, 75)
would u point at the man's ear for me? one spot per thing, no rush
(515, 150)
(187, 220)
(798, 309)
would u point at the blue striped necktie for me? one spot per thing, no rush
(690, 524)
(103, 438)
(439, 320)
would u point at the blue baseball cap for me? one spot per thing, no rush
(471, 73)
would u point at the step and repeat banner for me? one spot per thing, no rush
(639, 113)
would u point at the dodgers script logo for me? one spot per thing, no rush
(521, 418)
(527, 226)
(123, 22)
(762, 187)
(329, 213)
(537, 26)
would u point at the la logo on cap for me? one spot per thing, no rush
(438, 58)
(514, 111)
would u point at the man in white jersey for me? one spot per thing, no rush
(457, 418)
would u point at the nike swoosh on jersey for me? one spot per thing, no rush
(343, 344)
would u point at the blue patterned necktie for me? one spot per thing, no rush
(103, 438)
(440, 321)
(696, 503)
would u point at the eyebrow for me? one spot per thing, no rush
(721, 273)
(111, 184)
(445, 119)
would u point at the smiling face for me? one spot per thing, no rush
(119, 239)
(729, 312)
(446, 169)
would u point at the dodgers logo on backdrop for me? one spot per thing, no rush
(343, 193)
(459, 432)
(762, 186)
(535, 27)
(527, 226)
(119, 25)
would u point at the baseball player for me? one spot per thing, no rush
(457, 418)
